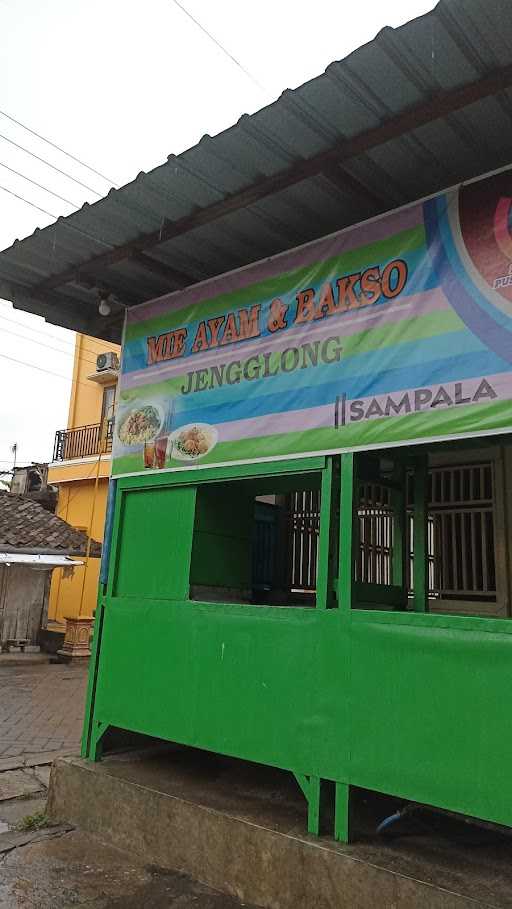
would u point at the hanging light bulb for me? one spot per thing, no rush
(104, 308)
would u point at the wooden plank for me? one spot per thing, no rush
(23, 603)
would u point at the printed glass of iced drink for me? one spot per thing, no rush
(161, 451)
(149, 454)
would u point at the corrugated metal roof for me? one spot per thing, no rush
(459, 43)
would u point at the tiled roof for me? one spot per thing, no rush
(24, 524)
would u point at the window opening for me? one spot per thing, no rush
(460, 534)
(375, 517)
(257, 541)
(461, 541)
(304, 530)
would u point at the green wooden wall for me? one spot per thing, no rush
(405, 703)
(152, 556)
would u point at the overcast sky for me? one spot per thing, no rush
(122, 84)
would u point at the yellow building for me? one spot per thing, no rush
(80, 469)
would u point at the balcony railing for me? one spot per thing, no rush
(83, 441)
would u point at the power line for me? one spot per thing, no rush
(66, 353)
(58, 147)
(48, 164)
(46, 189)
(36, 330)
(221, 47)
(63, 221)
(49, 372)
(54, 337)
(39, 185)
(69, 353)
(16, 196)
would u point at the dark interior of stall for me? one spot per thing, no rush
(257, 541)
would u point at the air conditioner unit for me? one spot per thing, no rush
(107, 360)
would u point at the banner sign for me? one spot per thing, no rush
(394, 331)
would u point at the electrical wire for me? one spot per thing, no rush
(16, 196)
(58, 147)
(39, 185)
(36, 330)
(73, 382)
(221, 47)
(88, 476)
(66, 353)
(49, 372)
(48, 164)
(63, 221)
(54, 337)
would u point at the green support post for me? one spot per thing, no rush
(96, 741)
(348, 543)
(341, 813)
(349, 532)
(420, 538)
(323, 592)
(93, 674)
(314, 806)
(328, 542)
(311, 786)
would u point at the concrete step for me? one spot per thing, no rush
(23, 659)
(240, 829)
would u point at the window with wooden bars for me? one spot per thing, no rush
(461, 520)
(303, 531)
(461, 534)
(373, 562)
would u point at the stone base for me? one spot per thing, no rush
(77, 639)
(239, 828)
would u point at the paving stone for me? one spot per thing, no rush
(14, 810)
(11, 764)
(39, 758)
(10, 841)
(43, 775)
(16, 783)
(41, 710)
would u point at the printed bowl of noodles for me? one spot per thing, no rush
(194, 441)
(140, 424)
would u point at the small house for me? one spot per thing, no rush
(33, 542)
